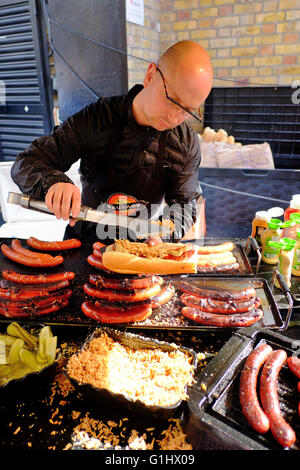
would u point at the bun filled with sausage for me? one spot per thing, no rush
(165, 258)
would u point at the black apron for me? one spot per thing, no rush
(145, 184)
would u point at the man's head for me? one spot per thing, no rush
(183, 73)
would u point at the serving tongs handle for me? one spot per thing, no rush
(284, 287)
(252, 242)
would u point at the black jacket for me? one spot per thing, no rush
(86, 135)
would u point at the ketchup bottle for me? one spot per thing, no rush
(293, 207)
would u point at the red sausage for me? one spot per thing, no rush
(32, 262)
(280, 429)
(97, 253)
(124, 282)
(248, 397)
(220, 268)
(120, 296)
(163, 297)
(154, 241)
(36, 303)
(217, 294)
(96, 263)
(214, 319)
(21, 293)
(45, 310)
(53, 246)
(131, 314)
(16, 246)
(21, 278)
(293, 363)
(98, 246)
(298, 386)
(219, 306)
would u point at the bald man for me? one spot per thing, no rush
(136, 151)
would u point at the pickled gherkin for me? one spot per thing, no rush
(22, 352)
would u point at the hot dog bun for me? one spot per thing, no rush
(135, 258)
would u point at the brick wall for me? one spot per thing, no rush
(249, 41)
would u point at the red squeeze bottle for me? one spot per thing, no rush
(293, 207)
(292, 210)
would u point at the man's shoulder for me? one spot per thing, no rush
(184, 138)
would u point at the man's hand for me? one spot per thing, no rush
(64, 199)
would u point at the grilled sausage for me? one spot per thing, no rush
(54, 245)
(220, 268)
(36, 301)
(96, 262)
(280, 429)
(293, 363)
(219, 306)
(120, 296)
(16, 246)
(214, 319)
(21, 293)
(28, 261)
(163, 297)
(131, 314)
(98, 246)
(97, 253)
(247, 393)
(217, 294)
(124, 283)
(21, 278)
(226, 246)
(45, 310)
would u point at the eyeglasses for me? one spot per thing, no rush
(175, 102)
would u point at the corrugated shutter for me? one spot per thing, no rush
(25, 100)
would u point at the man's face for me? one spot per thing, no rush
(159, 112)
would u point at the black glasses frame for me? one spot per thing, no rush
(175, 102)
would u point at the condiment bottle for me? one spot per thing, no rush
(296, 260)
(286, 248)
(293, 207)
(291, 231)
(269, 254)
(260, 222)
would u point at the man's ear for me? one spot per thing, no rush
(151, 70)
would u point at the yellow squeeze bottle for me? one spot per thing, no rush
(296, 260)
(286, 255)
(273, 233)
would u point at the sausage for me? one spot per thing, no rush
(281, 430)
(220, 268)
(166, 294)
(226, 246)
(298, 386)
(132, 313)
(293, 363)
(154, 241)
(36, 302)
(96, 263)
(120, 296)
(217, 294)
(21, 293)
(214, 319)
(124, 283)
(54, 245)
(45, 310)
(98, 246)
(16, 246)
(247, 392)
(21, 278)
(220, 306)
(97, 253)
(28, 261)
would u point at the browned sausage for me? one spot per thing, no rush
(223, 247)
(293, 363)
(45, 310)
(124, 283)
(22, 293)
(98, 245)
(219, 306)
(248, 382)
(281, 430)
(21, 278)
(217, 294)
(122, 296)
(166, 294)
(96, 262)
(32, 262)
(97, 253)
(16, 307)
(131, 314)
(54, 245)
(16, 246)
(214, 319)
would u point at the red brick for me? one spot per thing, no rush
(290, 37)
(183, 15)
(266, 50)
(226, 10)
(289, 59)
(268, 28)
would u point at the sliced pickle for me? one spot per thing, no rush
(3, 355)
(29, 358)
(15, 329)
(13, 355)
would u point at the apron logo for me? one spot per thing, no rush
(124, 204)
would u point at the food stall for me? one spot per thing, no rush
(50, 410)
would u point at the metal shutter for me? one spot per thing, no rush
(26, 103)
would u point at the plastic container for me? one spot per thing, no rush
(261, 219)
(296, 260)
(291, 231)
(293, 207)
(285, 261)
(269, 254)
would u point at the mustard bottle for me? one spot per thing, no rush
(261, 219)
(296, 260)
(285, 262)
(270, 254)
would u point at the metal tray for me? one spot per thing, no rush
(215, 420)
